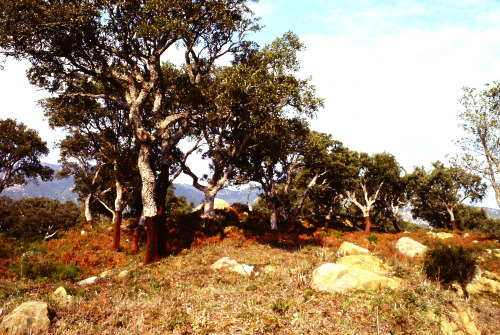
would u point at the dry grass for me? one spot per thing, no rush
(180, 295)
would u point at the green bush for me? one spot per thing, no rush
(30, 219)
(45, 270)
(373, 238)
(448, 264)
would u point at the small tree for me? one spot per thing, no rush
(20, 152)
(448, 264)
(441, 190)
(481, 146)
(373, 173)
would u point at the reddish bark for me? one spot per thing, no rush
(136, 238)
(116, 233)
(453, 225)
(151, 255)
(89, 223)
(162, 230)
(368, 224)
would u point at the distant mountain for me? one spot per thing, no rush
(492, 212)
(61, 189)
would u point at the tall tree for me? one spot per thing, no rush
(481, 121)
(242, 99)
(373, 173)
(119, 46)
(99, 138)
(20, 151)
(441, 190)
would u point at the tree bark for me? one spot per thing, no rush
(368, 224)
(149, 208)
(208, 206)
(274, 219)
(88, 214)
(151, 255)
(137, 235)
(116, 233)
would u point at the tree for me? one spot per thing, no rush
(374, 173)
(242, 100)
(98, 151)
(20, 151)
(119, 46)
(438, 193)
(481, 121)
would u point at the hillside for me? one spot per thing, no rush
(182, 295)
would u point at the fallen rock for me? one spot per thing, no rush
(409, 247)
(441, 235)
(61, 297)
(29, 318)
(123, 274)
(218, 204)
(365, 262)
(339, 278)
(89, 281)
(232, 265)
(347, 248)
(458, 319)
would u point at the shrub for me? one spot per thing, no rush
(30, 219)
(448, 264)
(373, 238)
(45, 270)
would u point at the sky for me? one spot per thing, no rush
(390, 72)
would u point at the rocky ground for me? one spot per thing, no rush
(240, 281)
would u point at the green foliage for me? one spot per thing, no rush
(438, 193)
(476, 219)
(372, 238)
(30, 219)
(281, 306)
(45, 270)
(20, 152)
(448, 264)
(177, 205)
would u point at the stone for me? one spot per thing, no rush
(123, 274)
(441, 235)
(339, 278)
(89, 281)
(232, 265)
(410, 248)
(365, 262)
(83, 232)
(107, 273)
(347, 248)
(218, 204)
(29, 318)
(61, 297)
(458, 319)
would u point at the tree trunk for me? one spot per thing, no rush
(116, 233)
(118, 214)
(452, 218)
(137, 235)
(149, 203)
(208, 206)
(274, 219)
(151, 255)
(453, 225)
(368, 224)
(88, 214)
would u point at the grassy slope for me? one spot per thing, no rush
(181, 295)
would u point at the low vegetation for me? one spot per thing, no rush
(181, 295)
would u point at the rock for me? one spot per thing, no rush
(29, 318)
(458, 319)
(83, 232)
(61, 298)
(347, 248)
(107, 273)
(218, 204)
(440, 235)
(232, 265)
(89, 281)
(339, 278)
(365, 262)
(409, 247)
(123, 274)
